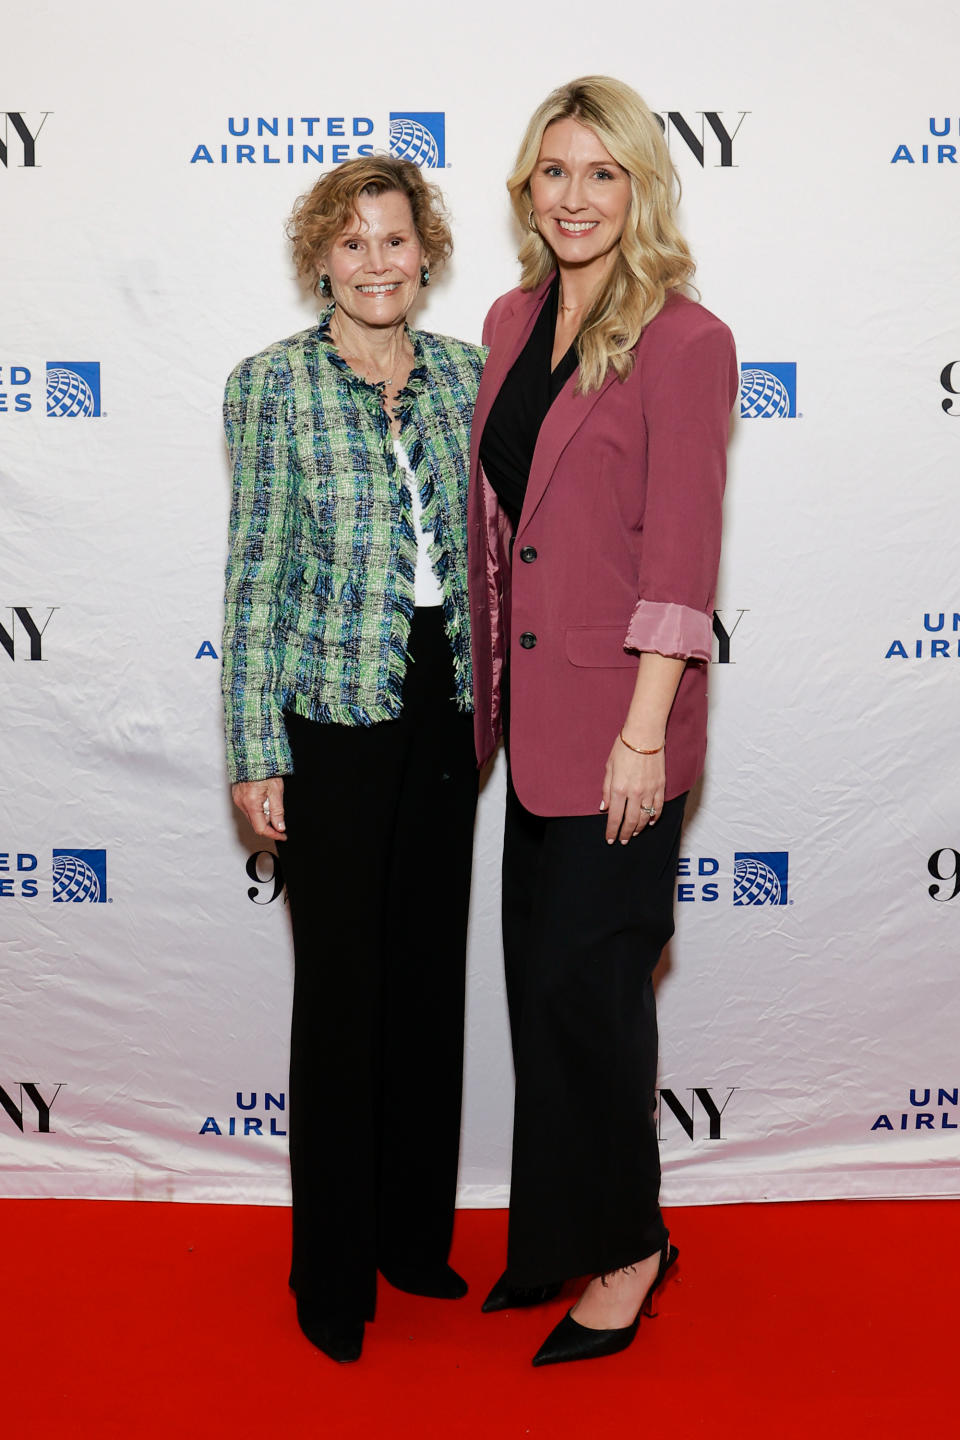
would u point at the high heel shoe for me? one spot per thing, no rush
(342, 1340)
(440, 1282)
(518, 1297)
(570, 1341)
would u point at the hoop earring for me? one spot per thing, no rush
(531, 222)
(424, 275)
(324, 285)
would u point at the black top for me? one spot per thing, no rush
(510, 434)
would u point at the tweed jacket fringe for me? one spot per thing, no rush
(322, 550)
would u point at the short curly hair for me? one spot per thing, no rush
(322, 213)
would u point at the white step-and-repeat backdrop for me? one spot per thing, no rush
(148, 160)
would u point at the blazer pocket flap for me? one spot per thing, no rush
(598, 645)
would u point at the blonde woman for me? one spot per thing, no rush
(598, 464)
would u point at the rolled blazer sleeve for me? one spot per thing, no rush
(687, 403)
(255, 422)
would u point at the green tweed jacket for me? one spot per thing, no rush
(322, 553)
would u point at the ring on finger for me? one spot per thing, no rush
(649, 809)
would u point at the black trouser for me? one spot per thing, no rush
(584, 924)
(380, 825)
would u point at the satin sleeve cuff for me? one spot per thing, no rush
(672, 630)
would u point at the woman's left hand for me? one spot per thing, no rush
(633, 790)
(261, 804)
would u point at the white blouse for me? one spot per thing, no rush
(426, 587)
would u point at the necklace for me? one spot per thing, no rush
(566, 307)
(357, 364)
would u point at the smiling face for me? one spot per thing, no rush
(580, 196)
(374, 263)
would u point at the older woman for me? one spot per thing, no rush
(347, 684)
(599, 458)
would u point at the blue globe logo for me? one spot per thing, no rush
(73, 879)
(68, 394)
(409, 140)
(755, 883)
(763, 396)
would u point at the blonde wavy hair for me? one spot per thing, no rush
(324, 212)
(653, 256)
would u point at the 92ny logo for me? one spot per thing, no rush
(710, 138)
(705, 1111)
(22, 623)
(723, 636)
(265, 870)
(19, 144)
(944, 866)
(27, 1089)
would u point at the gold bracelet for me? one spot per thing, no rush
(636, 748)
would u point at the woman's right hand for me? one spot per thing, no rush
(261, 804)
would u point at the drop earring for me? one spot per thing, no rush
(324, 285)
(424, 275)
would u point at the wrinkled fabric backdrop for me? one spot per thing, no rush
(149, 159)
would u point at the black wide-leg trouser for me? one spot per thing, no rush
(584, 924)
(377, 863)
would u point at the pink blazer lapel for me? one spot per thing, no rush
(564, 418)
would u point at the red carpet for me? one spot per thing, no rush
(140, 1321)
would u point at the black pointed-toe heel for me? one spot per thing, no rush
(570, 1341)
(439, 1282)
(518, 1297)
(342, 1340)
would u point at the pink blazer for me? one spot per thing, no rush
(616, 552)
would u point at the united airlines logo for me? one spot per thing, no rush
(942, 624)
(768, 391)
(419, 135)
(933, 1108)
(73, 388)
(80, 875)
(77, 875)
(760, 877)
(941, 127)
(263, 1125)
